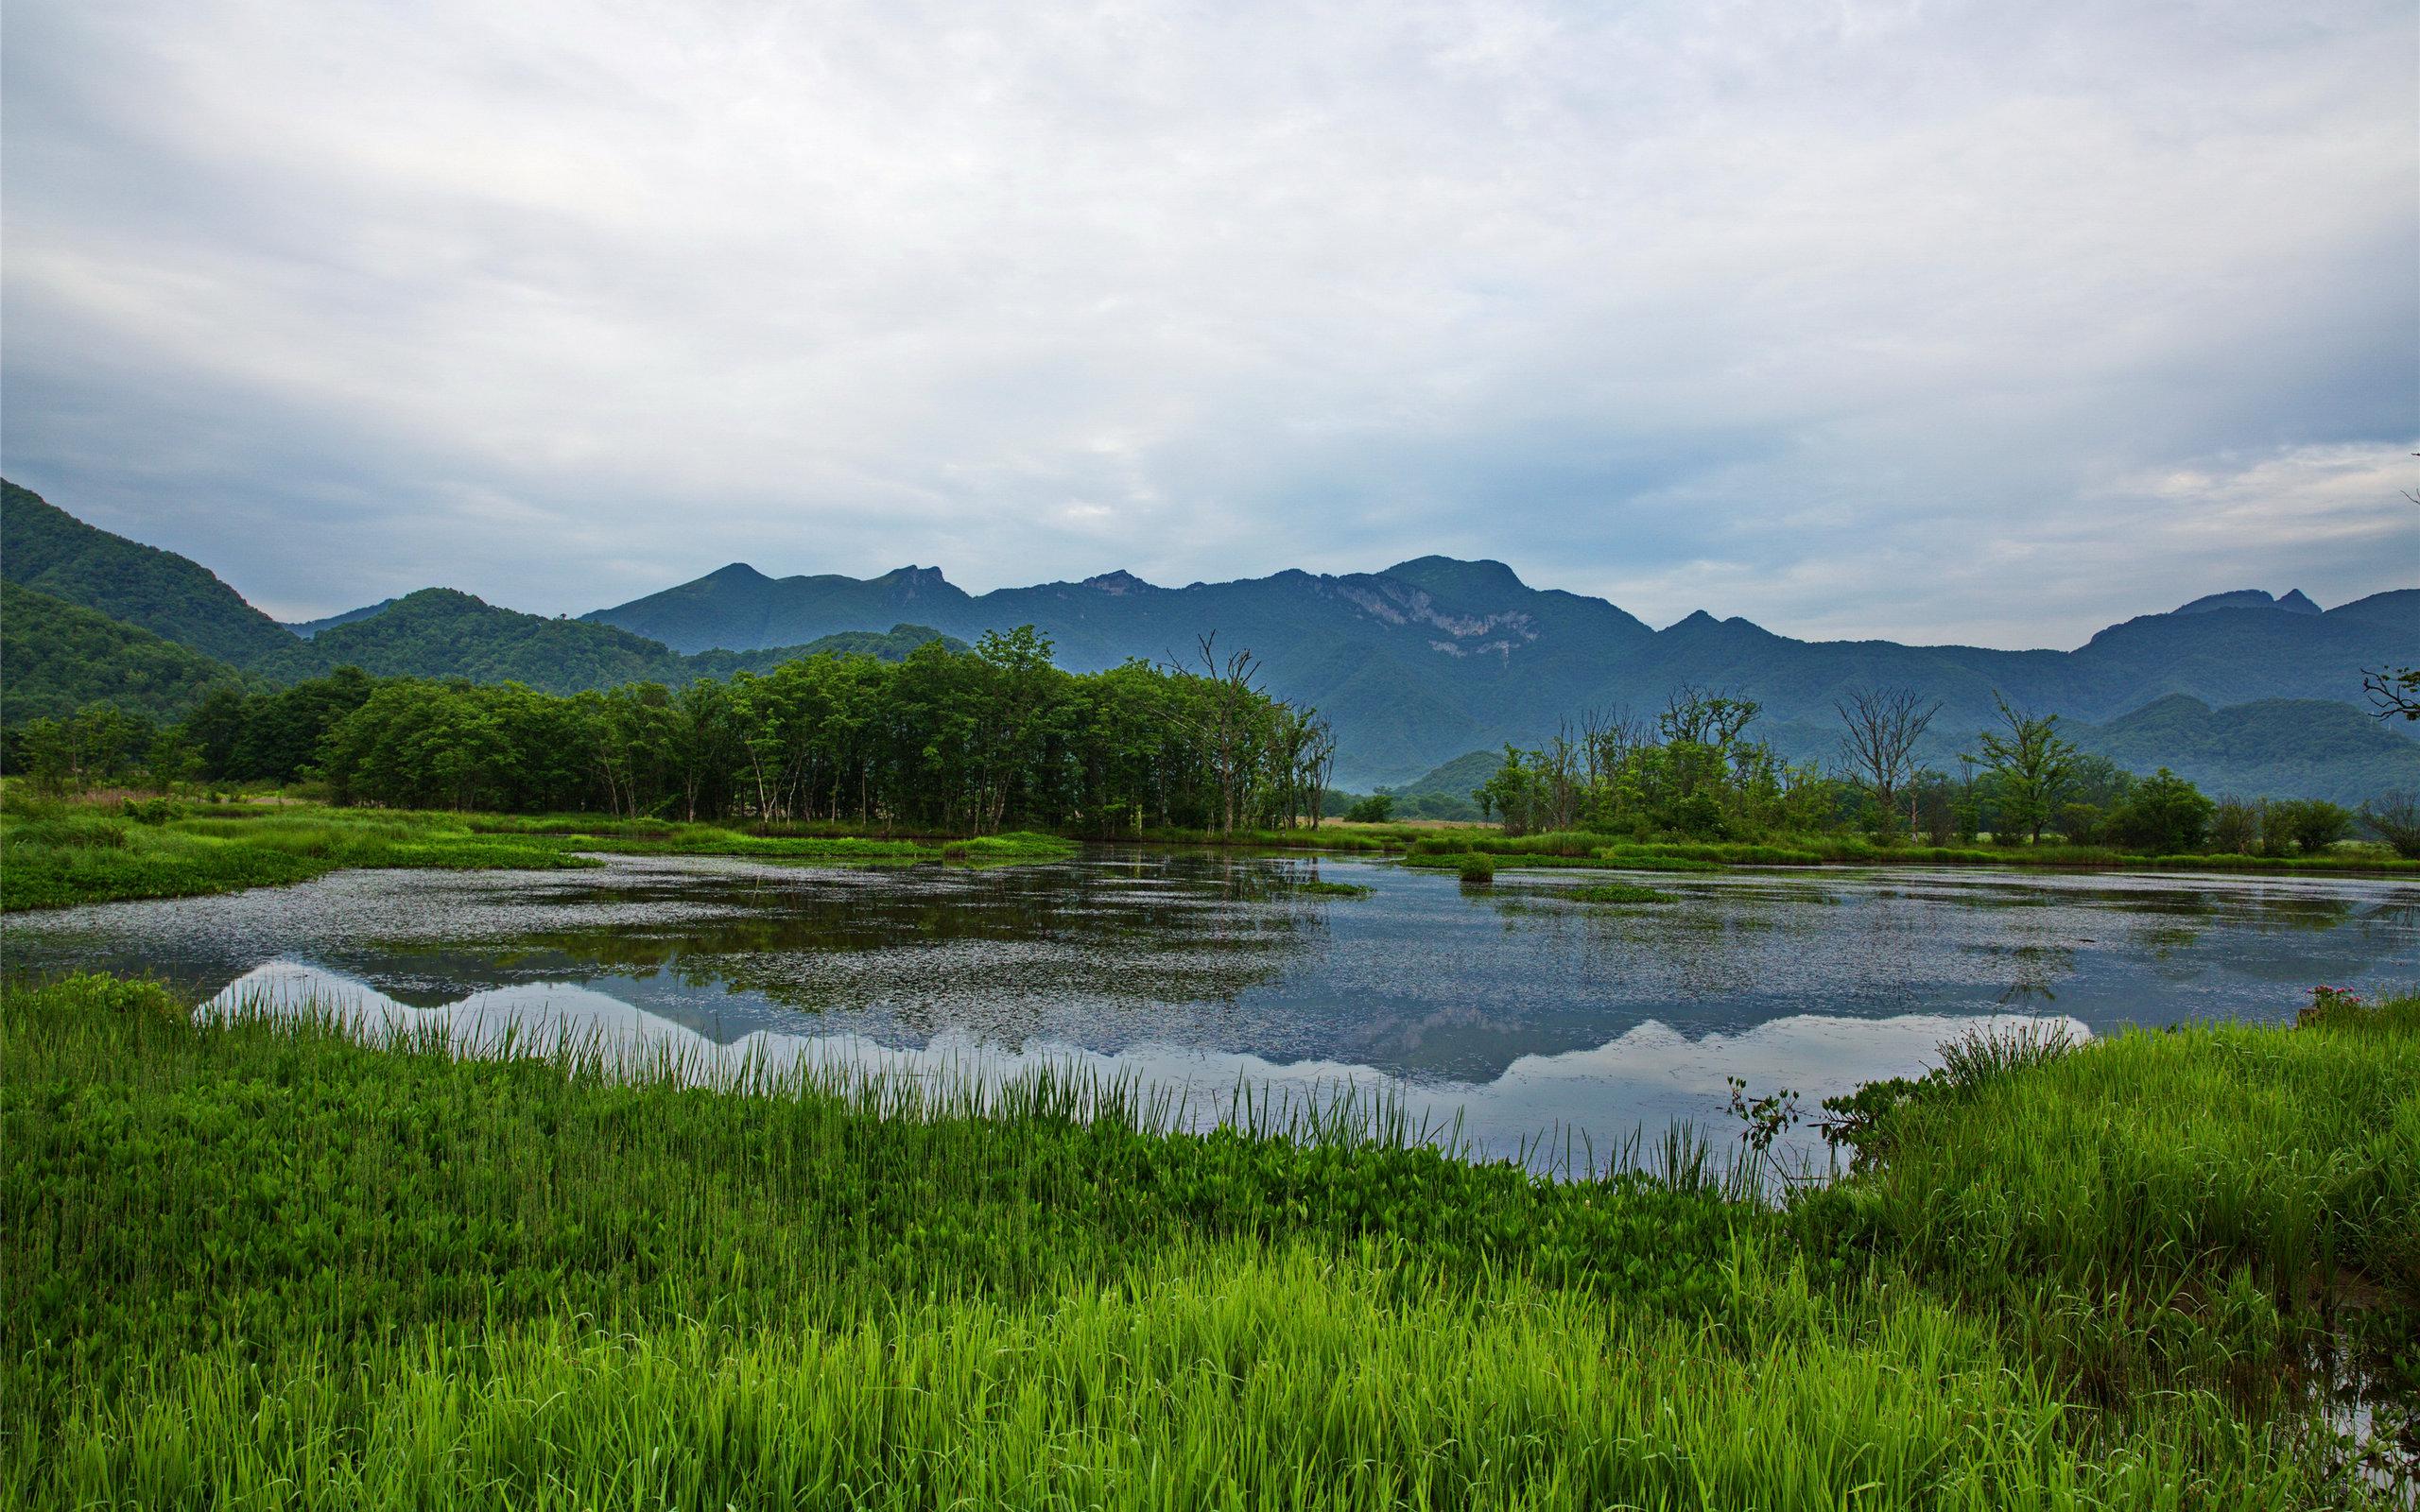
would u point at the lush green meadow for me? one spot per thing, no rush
(54, 854)
(259, 1263)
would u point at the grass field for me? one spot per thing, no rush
(260, 1264)
(56, 854)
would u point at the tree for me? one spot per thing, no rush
(2033, 764)
(2392, 691)
(2164, 815)
(1376, 809)
(2309, 824)
(1883, 725)
(2394, 817)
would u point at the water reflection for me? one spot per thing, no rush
(1567, 1111)
(1226, 962)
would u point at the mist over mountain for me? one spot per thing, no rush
(1429, 661)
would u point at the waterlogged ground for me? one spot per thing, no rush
(1514, 1010)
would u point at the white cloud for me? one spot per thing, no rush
(1937, 321)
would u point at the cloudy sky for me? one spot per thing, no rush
(1985, 323)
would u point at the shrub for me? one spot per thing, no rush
(2081, 823)
(1376, 809)
(2235, 826)
(2164, 815)
(2310, 824)
(1477, 870)
(2394, 817)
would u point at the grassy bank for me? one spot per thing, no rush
(261, 1264)
(57, 854)
(1584, 849)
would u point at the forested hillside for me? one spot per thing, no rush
(43, 547)
(2276, 748)
(57, 657)
(439, 632)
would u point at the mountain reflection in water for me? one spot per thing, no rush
(1517, 1004)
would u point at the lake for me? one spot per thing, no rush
(1514, 1012)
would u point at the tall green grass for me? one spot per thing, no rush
(255, 1262)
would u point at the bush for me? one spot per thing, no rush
(2394, 817)
(1477, 870)
(2310, 824)
(2163, 816)
(2235, 826)
(1376, 809)
(2081, 823)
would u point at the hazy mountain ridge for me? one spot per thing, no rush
(1415, 665)
(1434, 656)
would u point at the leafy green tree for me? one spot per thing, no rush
(2033, 765)
(2308, 824)
(2164, 815)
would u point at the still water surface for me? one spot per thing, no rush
(1516, 1010)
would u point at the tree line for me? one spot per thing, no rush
(963, 739)
(1694, 770)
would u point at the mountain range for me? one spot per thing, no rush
(1415, 666)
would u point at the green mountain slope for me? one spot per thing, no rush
(439, 632)
(45, 547)
(2275, 747)
(307, 628)
(57, 657)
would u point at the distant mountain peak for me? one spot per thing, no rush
(738, 572)
(1116, 584)
(2293, 603)
(914, 580)
(1452, 577)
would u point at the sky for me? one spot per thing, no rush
(1985, 324)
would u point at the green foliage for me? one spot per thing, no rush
(2032, 766)
(45, 548)
(2394, 817)
(2162, 815)
(439, 632)
(1694, 775)
(1614, 892)
(544, 1278)
(56, 856)
(1376, 809)
(60, 658)
(2307, 825)
(2273, 748)
(2135, 1172)
(1476, 868)
(1320, 889)
(60, 854)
